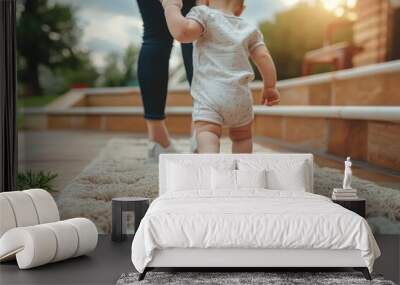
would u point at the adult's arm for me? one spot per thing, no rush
(182, 29)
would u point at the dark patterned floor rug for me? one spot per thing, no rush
(253, 278)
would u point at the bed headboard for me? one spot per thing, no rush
(166, 158)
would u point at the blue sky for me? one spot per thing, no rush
(111, 25)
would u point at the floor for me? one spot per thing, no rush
(63, 152)
(68, 152)
(110, 260)
(103, 266)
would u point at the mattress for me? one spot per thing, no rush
(250, 219)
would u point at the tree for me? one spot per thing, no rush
(130, 59)
(121, 70)
(47, 35)
(112, 75)
(297, 31)
(82, 73)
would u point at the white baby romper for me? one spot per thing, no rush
(222, 70)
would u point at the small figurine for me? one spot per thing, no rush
(347, 174)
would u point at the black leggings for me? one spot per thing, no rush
(154, 57)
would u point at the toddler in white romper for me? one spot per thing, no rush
(223, 43)
(222, 71)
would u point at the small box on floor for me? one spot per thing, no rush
(344, 194)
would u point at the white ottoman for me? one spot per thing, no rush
(31, 232)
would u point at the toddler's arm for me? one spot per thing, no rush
(182, 29)
(266, 66)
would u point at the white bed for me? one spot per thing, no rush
(200, 220)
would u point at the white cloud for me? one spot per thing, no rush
(120, 7)
(104, 32)
(290, 2)
(110, 26)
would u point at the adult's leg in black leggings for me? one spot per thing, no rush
(153, 69)
(187, 53)
(187, 49)
(153, 64)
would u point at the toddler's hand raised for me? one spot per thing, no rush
(177, 3)
(270, 96)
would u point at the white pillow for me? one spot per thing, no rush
(251, 179)
(282, 174)
(223, 179)
(226, 179)
(185, 175)
(293, 180)
(183, 178)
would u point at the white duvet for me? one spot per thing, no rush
(250, 219)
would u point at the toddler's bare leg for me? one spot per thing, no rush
(241, 137)
(208, 135)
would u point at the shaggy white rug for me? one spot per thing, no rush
(121, 169)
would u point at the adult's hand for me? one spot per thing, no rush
(167, 3)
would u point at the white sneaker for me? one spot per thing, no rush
(155, 149)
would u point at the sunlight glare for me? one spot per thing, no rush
(351, 3)
(338, 7)
(339, 12)
(332, 5)
(290, 2)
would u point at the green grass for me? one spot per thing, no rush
(33, 180)
(32, 102)
(35, 101)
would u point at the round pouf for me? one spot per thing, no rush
(137, 205)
